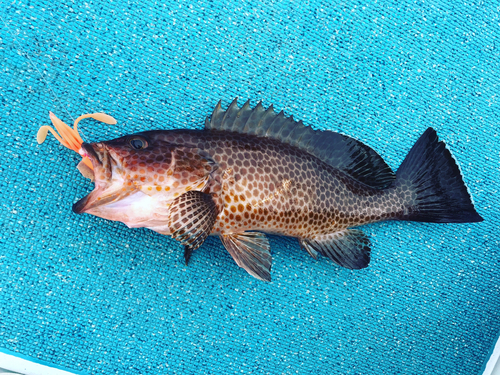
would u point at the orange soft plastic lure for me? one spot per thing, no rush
(68, 136)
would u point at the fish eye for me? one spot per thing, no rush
(138, 143)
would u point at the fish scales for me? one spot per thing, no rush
(255, 171)
(263, 184)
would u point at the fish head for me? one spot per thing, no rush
(133, 160)
(136, 177)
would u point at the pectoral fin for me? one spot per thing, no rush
(349, 248)
(191, 218)
(251, 251)
(188, 251)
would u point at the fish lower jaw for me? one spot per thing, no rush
(137, 210)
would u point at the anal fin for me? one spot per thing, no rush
(251, 251)
(303, 244)
(349, 248)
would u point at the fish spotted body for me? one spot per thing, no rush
(253, 171)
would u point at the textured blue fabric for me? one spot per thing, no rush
(93, 296)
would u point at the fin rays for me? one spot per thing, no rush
(191, 218)
(251, 251)
(349, 248)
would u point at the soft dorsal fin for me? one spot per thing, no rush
(338, 150)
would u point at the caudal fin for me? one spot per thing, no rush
(431, 176)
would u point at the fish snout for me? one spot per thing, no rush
(87, 150)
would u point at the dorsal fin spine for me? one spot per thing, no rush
(267, 113)
(286, 130)
(217, 112)
(257, 111)
(298, 133)
(245, 107)
(242, 117)
(276, 125)
(266, 120)
(227, 120)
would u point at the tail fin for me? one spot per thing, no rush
(430, 174)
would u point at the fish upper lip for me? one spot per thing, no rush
(88, 151)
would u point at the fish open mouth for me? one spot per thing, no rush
(100, 174)
(97, 161)
(88, 154)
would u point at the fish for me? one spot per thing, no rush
(253, 171)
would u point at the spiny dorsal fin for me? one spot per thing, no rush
(338, 150)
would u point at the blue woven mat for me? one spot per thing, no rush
(93, 296)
